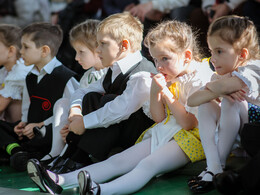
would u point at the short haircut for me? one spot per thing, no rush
(238, 31)
(123, 26)
(10, 35)
(180, 34)
(43, 33)
(86, 33)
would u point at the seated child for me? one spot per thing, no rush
(84, 41)
(111, 106)
(48, 81)
(12, 74)
(169, 144)
(234, 46)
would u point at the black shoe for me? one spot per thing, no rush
(227, 182)
(19, 160)
(85, 184)
(41, 178)
(203, 186)
(56, 164)
(194, 180)
(69, 166)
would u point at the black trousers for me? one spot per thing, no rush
(37, 144)
(250, 173)
(99, 141)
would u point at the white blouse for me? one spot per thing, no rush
(13, 81)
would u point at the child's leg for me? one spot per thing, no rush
(114, 166)
(167, 158)
(209, 114)
(61, 110)
(233, 116)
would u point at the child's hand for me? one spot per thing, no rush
(77, 125)
(28, 130)
(64, 132)
(18, 129)
(158, 82)
(74, 111)
(237, 96)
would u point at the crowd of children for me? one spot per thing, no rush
(162, 114)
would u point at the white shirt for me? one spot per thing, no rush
(232, 4)
(166, 6)
(70, 87)
(136, 93)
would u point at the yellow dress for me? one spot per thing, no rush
(188, 140)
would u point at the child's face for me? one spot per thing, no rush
(84, 56)
(108, 49)
(223, 56)
(166, 61)
(30, 53)
(4, 54)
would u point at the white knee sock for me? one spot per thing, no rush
(61, 110)
(233, 116)
(209, 114)
(167, 158)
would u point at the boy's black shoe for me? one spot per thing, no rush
(41, 178)
(19, 160)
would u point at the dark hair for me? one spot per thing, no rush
(10, 35)
(45, 34)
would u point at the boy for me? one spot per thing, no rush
(48, 81)
(111, 108)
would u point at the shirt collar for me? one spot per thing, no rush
(48, 68)
(127, 62)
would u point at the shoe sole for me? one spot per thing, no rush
(35, 174)
(82, 183)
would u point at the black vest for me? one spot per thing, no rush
(119, 84)
(44, 94)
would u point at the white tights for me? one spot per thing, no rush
(227, 119)
(60, 110)
(136, 165)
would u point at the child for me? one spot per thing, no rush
(111, 106)
(166, 146)
(234, 45)
(48, 81)
(12, 74)
(83, 39)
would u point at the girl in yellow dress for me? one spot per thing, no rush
(174, 140)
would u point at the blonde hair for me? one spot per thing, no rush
(123, 26)
(238, 31)
(10, 35)
(86, 33)
(180, 34)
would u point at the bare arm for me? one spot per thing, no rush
(157, 108)
(226, 85)
(4, 102)
(200, 97)
(185, 119)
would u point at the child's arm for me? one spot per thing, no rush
(200, 97)
(185, 119)
(28, 129)
(156, 105)
(4, 102)
(226, 85)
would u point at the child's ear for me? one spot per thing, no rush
(45, 50)
(125, 44)
(244, 54)
(12, 51)
(188, 56)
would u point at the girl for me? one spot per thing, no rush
(171, 143)
(83, 40)
(12, 74)
(234, 45)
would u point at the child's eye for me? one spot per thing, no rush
(164, 59)
(219, 51)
